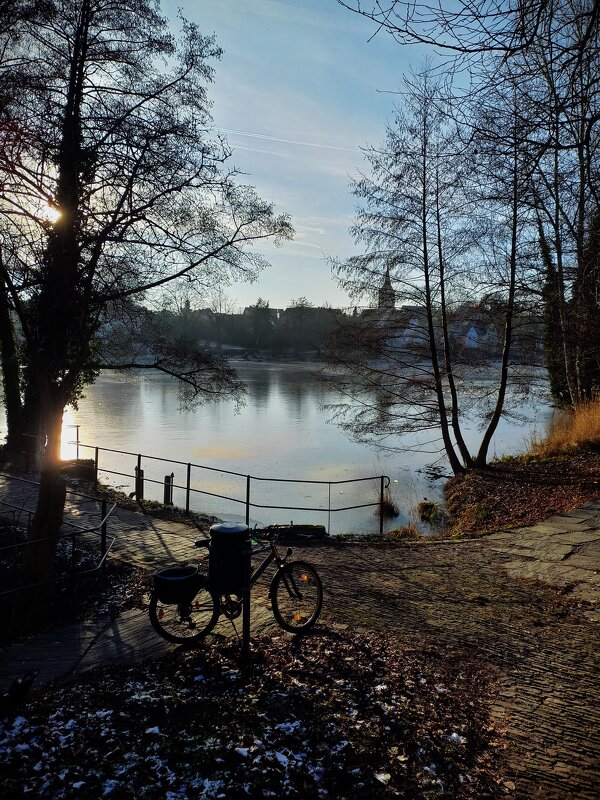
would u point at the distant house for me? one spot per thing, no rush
(472, 338)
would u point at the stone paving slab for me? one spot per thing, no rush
(557, 574)
(579, 536)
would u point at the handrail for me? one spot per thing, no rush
(97, 530)
(219, 469)
(36, 483)
(98, 566)
(245, 500)
(140, 479)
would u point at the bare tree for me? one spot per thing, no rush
(558, 79)
(419, 226)
(115, 185)
(221, 305)
(549, 53)
(472, 27)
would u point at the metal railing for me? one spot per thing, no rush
(75, 533)
(245, 498)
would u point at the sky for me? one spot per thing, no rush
(301, 88)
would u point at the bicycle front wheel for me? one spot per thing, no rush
(297, 596)
(185, 623)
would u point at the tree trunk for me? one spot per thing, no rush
(553, 339)
(454, 407)
(455, 463)
(39, 561)
(48, 517)
(585, 306)
(10, 375)
(482, 454)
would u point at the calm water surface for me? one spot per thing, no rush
(282, 431)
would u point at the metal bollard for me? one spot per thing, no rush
(168, 493)
(227, 556)
(139, 483)
(229, 568)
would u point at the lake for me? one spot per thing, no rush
(281, 432)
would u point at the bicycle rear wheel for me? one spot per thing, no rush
(297, 596)
(185, 623)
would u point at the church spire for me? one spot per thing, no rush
(387, 296)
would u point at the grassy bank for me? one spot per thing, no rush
(574, 429)
(558, 473)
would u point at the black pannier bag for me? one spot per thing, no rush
(178, 585)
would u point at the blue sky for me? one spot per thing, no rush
(299, 91)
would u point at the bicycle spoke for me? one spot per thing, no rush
(297, 596)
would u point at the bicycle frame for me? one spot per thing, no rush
(273, 555)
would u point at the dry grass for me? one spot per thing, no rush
(576, 428)
(403, 533)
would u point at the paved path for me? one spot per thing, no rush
(526, 601)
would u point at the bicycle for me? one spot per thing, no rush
(184, 607)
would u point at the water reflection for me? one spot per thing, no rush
(281, 432)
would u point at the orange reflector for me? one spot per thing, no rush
(297, 617)
(304, 577)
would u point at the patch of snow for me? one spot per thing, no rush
(383, 777)
(289, 727)
(455, 737)
(339, 747)
(18, 724)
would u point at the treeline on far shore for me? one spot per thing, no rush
(306, 331)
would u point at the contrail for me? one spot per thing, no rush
(288, 141)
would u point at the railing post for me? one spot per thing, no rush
(77, 442)
(187, 488)
(329, 510)
(247, 499)
(103, 535)
(96, 468)
(381, 490)
(139, 480)
(168, 491)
